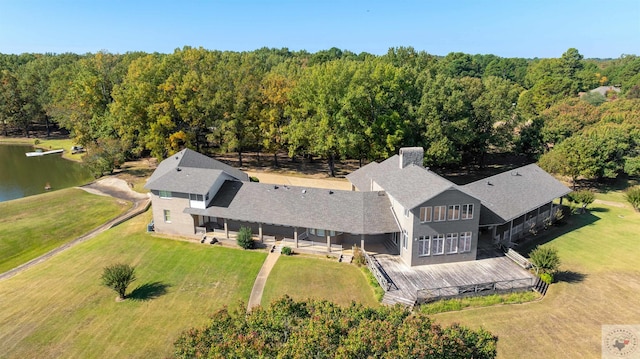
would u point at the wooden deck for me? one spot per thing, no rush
(429, 282)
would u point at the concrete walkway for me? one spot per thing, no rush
(109, 186)
(261, 280)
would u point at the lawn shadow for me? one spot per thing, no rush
(148, 291)
(569, 224)
(598, 209)
(568, 276)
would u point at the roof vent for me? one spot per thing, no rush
(304, 191)
(489, 183)
(381, 193)
(275, 187)
(330, 192)
(178, 169)
(515, 173)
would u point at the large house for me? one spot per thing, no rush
(427, 218)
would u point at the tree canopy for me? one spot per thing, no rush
(332, 104)
(321, 329)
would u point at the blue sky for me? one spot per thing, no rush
(509, 28)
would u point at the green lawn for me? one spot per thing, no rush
(318, 278)
(599, 284)
(59, 309)
(32, 226)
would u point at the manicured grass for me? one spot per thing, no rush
(32, 226)
(60, 309)
(599, 284)
(308, 277)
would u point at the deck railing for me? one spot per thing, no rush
(378, 272)
(431, 294)
(319, 245)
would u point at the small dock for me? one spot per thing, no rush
(42, 153)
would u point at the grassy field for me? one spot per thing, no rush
(34, 225)
(309, 277)
(59, 309)
(599, 284)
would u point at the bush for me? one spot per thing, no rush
(36, 142)
(545, 258)
(584, 197)
(546, 277)
(287, 251)
(245, 238)
(118, 277)
(253, 179)
(358, 256)
(633, 197)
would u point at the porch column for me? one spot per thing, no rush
(493, 234)
(226, 228)
(260, 232)
(328, 243)
(295, 236)
(538, 216)
(510, 232)
(362, 242)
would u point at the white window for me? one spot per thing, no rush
(167, 216)
(451, 243)
(454, 212)
(405, 238)
(394, 237)
(320, 232)
(439, 213)
(164, 194)
(424, 244)
(437, 244)
(465, 242)
(196, 197)
(425, 214)
(406, 212)
(467, 211)
(312, 231)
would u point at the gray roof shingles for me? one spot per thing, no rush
(510, 194)
(410, 186)
(343, 211)
(190, 172)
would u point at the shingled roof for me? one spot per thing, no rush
(190, 172)
(410, 186)
(510, 194)
(343, 211)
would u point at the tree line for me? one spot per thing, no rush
(333, 103)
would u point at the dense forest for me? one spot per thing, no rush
(334, 104)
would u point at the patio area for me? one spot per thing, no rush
(419, 284)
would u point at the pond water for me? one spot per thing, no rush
(22, 176)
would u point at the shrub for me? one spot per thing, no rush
(245, 238)
(253, 179)
(358, 256)
(36, 142)
(546, 277)
(287, 251)
(118, 277)
(545, 258)
(633, 197)
(584, 197)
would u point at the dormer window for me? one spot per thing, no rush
(196, 197)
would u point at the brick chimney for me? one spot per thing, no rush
(411, 155)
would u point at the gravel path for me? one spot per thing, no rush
(109, 186)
